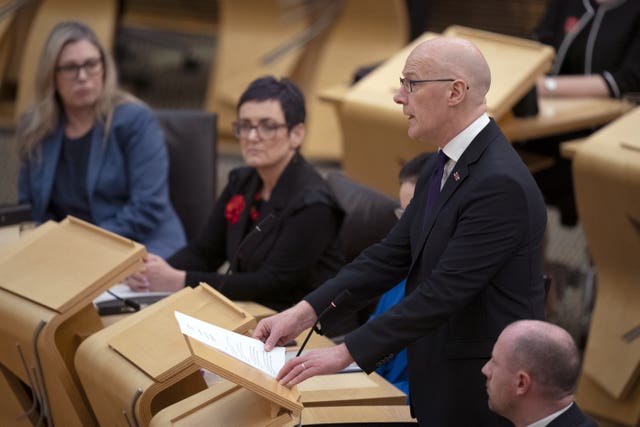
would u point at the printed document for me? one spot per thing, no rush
(246, 349)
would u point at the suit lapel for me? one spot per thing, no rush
(96, 157)
(458, 175)
(45, 174)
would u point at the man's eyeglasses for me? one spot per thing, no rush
(407, 84)
(71, 71)
(265, 129)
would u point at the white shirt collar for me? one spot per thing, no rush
(546, 420)
(454, 148)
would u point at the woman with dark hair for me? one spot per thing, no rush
(276, 221)
(91, 150)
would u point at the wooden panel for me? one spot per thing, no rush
(354, 388)
(607, 182)
(67, 262)
(155, 344)
(357, 414)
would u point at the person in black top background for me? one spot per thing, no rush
(597, 46)
(276, 221)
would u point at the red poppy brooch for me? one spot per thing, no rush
(234, 208)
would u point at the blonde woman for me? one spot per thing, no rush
(91, 150)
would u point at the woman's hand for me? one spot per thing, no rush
(156, 275)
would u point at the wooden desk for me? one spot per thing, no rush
(562, 115)
(146, 357)
(354, 388)
(357, 414)
(49, 278)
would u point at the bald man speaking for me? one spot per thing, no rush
(469, 244)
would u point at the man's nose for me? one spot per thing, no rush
(400, 96)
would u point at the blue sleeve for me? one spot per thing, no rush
(136, 131)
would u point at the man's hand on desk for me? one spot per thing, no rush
(314, 362)
(157, 276)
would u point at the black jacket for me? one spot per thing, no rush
(295, 250)
(595, 39)
(474, 268)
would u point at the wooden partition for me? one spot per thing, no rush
(607, 181)
(316, 44)
(146, 357)
(49, 280)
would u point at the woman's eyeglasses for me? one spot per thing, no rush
(91, 67)
(265, 129)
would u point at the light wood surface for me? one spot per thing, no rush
(348, 389)
(223, 404)
(315, 48)
(39, 338)
(357, 414)
(152, 367)
(607, 181)
(562, 115)
(258, 311)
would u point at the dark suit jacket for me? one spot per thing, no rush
(471, 270)
(572, 417)
(295, 251)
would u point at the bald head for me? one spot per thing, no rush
(547, 352)
(449, 56)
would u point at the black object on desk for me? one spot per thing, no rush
(528, 104)
(119, 306)
(14, 214)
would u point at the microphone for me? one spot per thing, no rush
(131, 303)
(255, 230)
(333, 304)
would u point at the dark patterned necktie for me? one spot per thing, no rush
(434, 185)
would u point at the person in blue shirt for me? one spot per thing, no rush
(395, 370)
(91, 150)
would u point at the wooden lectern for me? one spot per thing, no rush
(48, 280)
(607, 180)
(375, 130)
(146, 358)
(258, 389)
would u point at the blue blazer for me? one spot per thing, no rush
(127, 180)
(472, 268)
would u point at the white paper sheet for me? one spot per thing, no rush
(246, 349)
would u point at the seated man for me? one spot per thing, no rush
(395, 370)
(532, 375)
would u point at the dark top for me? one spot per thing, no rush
(69, 194)
(126, 179)
(595, 39)
(295, 250)
(472, 269)
(572, 417)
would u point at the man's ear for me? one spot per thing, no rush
(296, 135)
(523, 384)
(458, 92)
